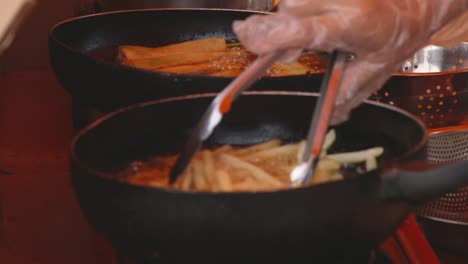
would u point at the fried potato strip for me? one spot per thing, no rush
(260, 167)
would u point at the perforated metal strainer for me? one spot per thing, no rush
(445, 220)
(433, 85)
(445, 147)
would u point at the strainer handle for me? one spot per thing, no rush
(419, 187)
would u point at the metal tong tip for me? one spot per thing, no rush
(329, 89)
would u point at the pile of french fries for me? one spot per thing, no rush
(261, 167)
(209, 57)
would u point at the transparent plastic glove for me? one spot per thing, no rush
(381, 34)
(452, 33)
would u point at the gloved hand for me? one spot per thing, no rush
(381, 34)
(453, 33)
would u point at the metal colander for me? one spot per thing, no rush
(433, 85)
(445, 147)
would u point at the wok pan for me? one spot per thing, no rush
(352, 215)
(82, 52)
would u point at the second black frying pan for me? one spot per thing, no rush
(82, 53)
(318, 222)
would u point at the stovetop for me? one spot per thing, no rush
(374, 257)
(37, 199)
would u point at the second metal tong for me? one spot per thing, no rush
(329, 89)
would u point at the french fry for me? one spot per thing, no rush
(371, 164)
(209, 167)
(357, 156)
(223, 180)
(277, 161)
(280, 172)
(237, 174)
(256, 172)
(128, 52)
(247, 185)
(283, 69)
(187, 179)
(285, 154)
(171, 60)
(330, 138)
(208, 161)
(222, 149)
(264, 166)
(328, 164)
(198, 175)
(325, 171)
(234, 60)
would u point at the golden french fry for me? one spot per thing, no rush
(209, 167)
(129, 52)
(280, 172)
(329, 140)
(251, 184)
(284, 152)
(357, 156)
(256, 172)
(171, 60)
(209, 162)
(260, 167)
(326, 170)
(274, 160)
(246, 185)
(327, 164)
(198, 175)
(283, 69)
(223, 181)
(222, 149)
(187, 179)
(371, 164)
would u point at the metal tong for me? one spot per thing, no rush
(303, 172)
(220, 106)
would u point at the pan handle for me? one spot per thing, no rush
(422, 186)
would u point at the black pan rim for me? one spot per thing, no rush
(105, 176)
(53, 37)
(148, 10)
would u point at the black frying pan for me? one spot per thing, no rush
(316, 222)
(82, 53)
